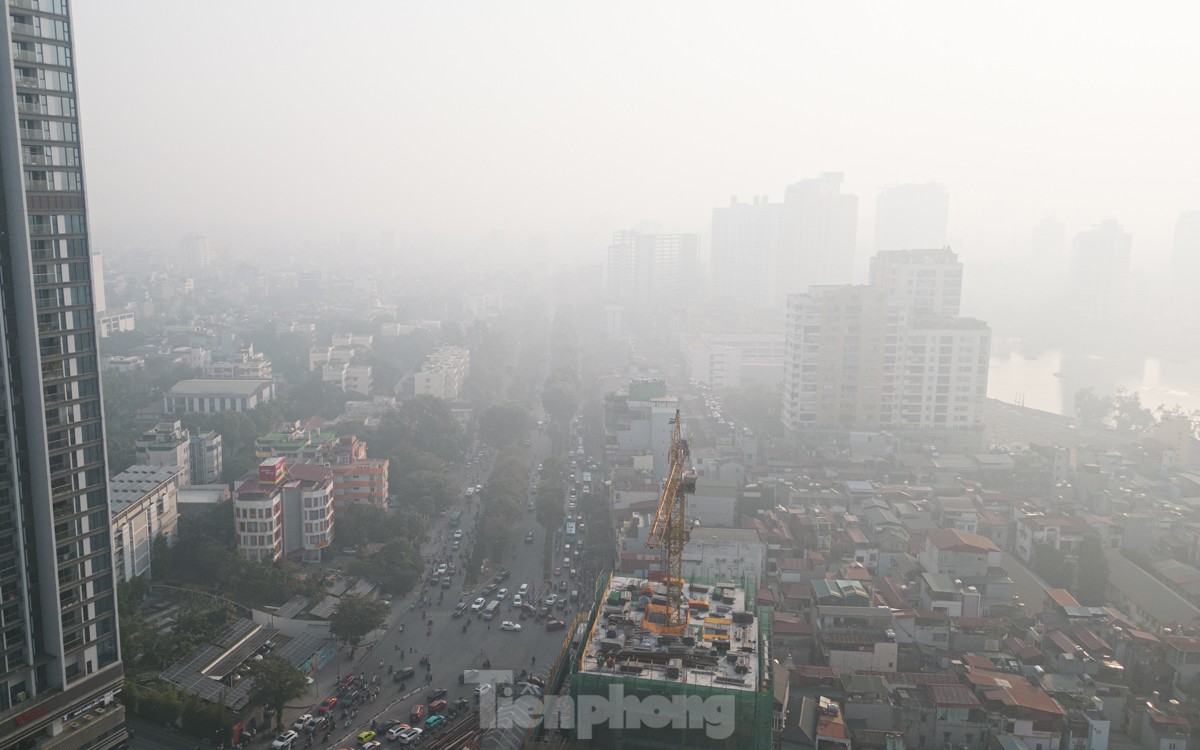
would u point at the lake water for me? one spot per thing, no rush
(1048, 380)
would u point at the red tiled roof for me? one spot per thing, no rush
(1034, 699)
(1061, 597)
(989, 679)
(783, 623)
(953, 696)
(977, 661)
(800, 590)
(887, 588)
(765, 596)
(1183, 643)
(1062, 641)
(1090, 641)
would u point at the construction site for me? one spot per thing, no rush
(665, 663)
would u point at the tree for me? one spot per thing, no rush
(275, 683)
(560, 398)
(355, 617)
(1091, 409)
(1092, 575)
(1128, 414)
(1049, 563)
(396, 567)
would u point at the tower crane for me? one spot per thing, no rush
(670, 532)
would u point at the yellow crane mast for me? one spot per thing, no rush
(670, 531)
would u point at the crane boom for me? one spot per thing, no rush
(670, 531)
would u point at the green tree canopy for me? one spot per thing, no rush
(275, 683)
(355, 617)
(504, 424)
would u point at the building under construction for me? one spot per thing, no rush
(717, 668)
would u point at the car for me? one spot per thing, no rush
(433, 722)
(372, 745)
(502, 594)
(442, 569)
(365, 737)
(458, 533)
(438, 706)
(459, 610)
(530, 507)
(488, 589)
(571, 505)
(535, 680)
(302, 721)
(403, 673)
(285, 741)
(478, 488)
(387, 724)
(410, 735)
(456, 544)
(327, 705)
(524, 589)
(558, 571)
(417, 713)
(396, 731)
(566, 562)
(462, 704)
(562, 585)
(510, 625)
(470, 490)
(550, 600)
(434, 694)
(478, 604)
(529, 538)
(482, 689)
(553, 624)
(517, 601)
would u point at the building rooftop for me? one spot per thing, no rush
(719, 647)
(219, 387)
(961, 541)
(132, 484)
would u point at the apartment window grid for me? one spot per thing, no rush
(66, 346)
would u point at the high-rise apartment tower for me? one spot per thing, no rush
(60, 663)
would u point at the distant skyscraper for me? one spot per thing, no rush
(1100, 259)
(61, 655)
(745, 251)
(649, 272)
(911, 217)
(98, 283)
(817, 236)
(928, 281)
(197, 253)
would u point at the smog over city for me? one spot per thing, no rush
(621, 375)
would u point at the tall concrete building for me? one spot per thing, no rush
(197, 252)
(929, 281)
(817, 236)
(647, 273)
(911, 216)
(745, 251)
(1100, 260)
(834, 356)
(61, 667)
(892, 355)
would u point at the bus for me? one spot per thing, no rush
(570, 531)
(587, 482)
(490, 610)
(455, 517)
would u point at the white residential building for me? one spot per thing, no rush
(144, 502)
(217, 395)
(922, 280)
(443, 373)
(482, 305)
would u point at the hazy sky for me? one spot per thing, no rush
(288, 118)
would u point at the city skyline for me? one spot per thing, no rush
(884, 106)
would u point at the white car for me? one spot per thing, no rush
(409, 736)
(302, 721)
(478, 604)
(394, 733)
(458, 533)
(517, 600)
(510, 625)
(551, 600)
(441, 569)
(524, 589)
(502, 594)
(483, 689)
(285, 741)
